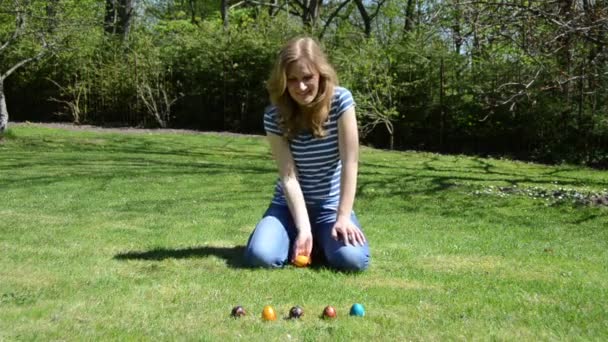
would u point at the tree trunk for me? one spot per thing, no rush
(119, 17)
(441, 104)
(367, 20)
(565, 41)
(126, 16)
(192, 9)
(409, 16)
(224, 11)
(3, 109)
(457, 31)
(311, 12)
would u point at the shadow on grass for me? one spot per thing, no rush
(232, 255)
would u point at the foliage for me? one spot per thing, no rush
(367, 69)
(222, 72)
(521, 79)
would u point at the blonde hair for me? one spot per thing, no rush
(294, 118)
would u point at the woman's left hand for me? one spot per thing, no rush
(346, 230)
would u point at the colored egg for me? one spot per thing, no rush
(357, 310)
(296, 312)
(329, 312)
(238, 311)
(301, 261)
(268, 313)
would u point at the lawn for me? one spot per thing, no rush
(139, 236)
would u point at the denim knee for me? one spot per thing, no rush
(268, 245)
(255, 256)
(349, 258)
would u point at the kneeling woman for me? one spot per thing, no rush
(312, 130)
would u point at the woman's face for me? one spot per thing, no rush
(302, 82)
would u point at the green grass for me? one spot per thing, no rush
(110, 236)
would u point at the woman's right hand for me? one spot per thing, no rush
(302, 245)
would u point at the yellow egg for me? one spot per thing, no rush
(301, 261)
(268, 313)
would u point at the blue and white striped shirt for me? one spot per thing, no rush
(317, 160)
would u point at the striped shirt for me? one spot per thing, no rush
(317, 160)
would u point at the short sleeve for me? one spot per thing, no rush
(344, 100)
(271, 124)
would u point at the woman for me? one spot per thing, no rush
(312, 130)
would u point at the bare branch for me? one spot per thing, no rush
(240, 3)
(258, 3)
(380, 3)
(332, 16)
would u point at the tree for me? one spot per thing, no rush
(23, 33)
(224, 11)
(409, 15)
(119, 17)
(33, 30)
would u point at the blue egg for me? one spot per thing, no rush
(357, 310)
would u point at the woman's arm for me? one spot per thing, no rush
(293, 193)
(348, 136)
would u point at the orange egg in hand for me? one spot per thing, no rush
(301, 261)
(268, 314)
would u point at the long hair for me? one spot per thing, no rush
(294, 118)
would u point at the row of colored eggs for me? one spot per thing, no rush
(269, 314)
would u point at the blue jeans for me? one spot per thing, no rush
(270, 244)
